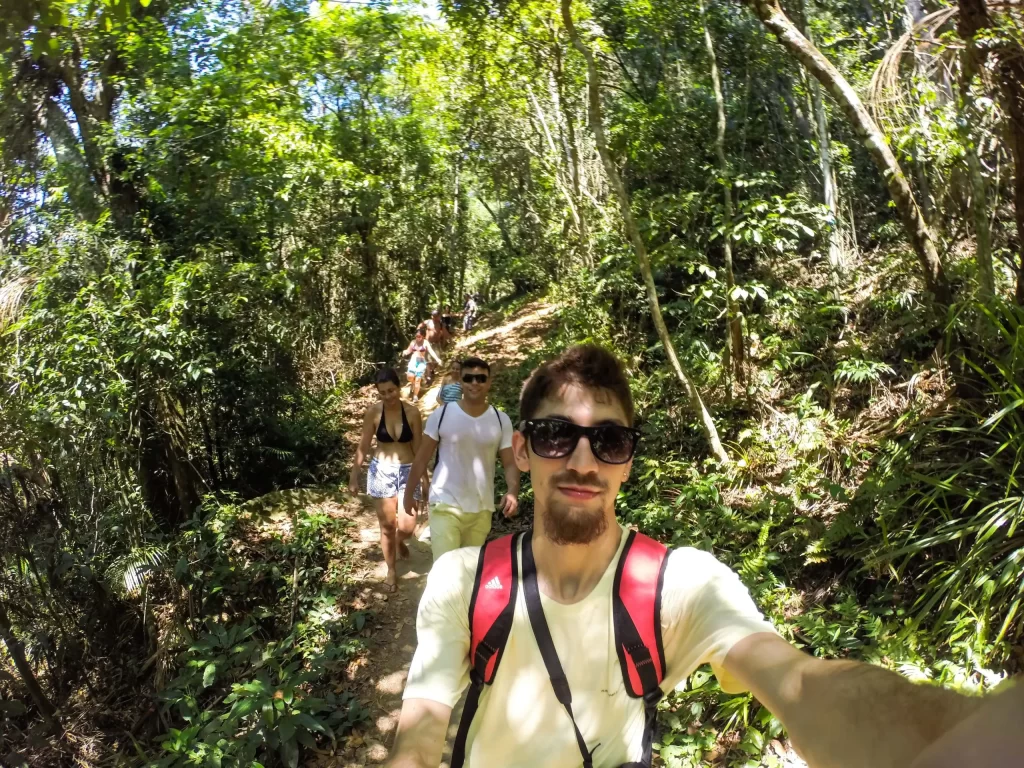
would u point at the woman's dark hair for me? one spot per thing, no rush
(588, 366)
(476, 362)
(384, 375)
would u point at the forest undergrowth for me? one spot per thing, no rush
(798, 222)
(873, 510)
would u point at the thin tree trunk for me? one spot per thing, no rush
(567, 116)
(505, 236)
(836, 261)
(562, 183)
(867, 130)
(979, 188)
(633, 232)
(974, 20)
(734, 345)
(17, 653)
(829, 193)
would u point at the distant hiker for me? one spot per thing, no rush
(469, 310)
(471, 434)
(446, 318)
(451, 384)
(417, 352)
(567, 635)
(435, 332)
(398, 429)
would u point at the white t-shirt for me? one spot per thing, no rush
(705, 611)
(464, 475)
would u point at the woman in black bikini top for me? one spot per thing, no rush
(389, 466)
(383, 436)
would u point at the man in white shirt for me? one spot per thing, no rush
(577, 442)
(472, 434)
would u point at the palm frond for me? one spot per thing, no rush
(13, 295)
(128, 573)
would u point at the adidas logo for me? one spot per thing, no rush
(494, 583)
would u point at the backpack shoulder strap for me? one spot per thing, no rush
(437, 450)
(491, 610)
(637, 613)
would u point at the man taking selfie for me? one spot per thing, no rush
(567, 635)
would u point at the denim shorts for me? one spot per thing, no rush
(417, 368)
(385, 481)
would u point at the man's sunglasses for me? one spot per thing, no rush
(556, 439)
(479, 378)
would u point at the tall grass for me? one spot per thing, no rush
(949, 499)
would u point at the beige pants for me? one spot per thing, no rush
(451, 528)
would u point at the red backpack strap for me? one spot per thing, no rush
(491, 611)
(636, 614)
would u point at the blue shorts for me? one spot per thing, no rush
(385, 481)
(417, 368)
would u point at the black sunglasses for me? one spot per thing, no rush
(479, 378)
(556, 439)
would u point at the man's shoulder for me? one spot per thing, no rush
(686, 564)
(454, 572)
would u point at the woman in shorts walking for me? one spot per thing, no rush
(417, 352)
(396, 427)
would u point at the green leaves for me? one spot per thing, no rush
(209, 675)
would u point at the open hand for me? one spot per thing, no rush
(509, 505)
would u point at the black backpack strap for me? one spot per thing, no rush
(437, 451)
(491, 612)
(547, 647)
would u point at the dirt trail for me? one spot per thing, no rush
(379, 676)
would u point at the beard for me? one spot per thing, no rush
(567, 523)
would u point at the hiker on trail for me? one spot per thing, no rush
(437, 335)
(417, 352)
(567, 635)
(446, 318)
(398, 429)
(471, 434)
(469, 310)
(451, 384)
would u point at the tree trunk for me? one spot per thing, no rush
(734, 344)
(979, 188)
(567, 117)
(874, 141)
(633, 232)
(975, 19)
(17, 653)
(829, 191)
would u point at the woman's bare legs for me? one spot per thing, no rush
(406, 525)
(395, 528)
(386, 514)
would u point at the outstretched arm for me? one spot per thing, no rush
(361, 450)
(846, 714)
(433, 354)
(421, 731)
(510, 501)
